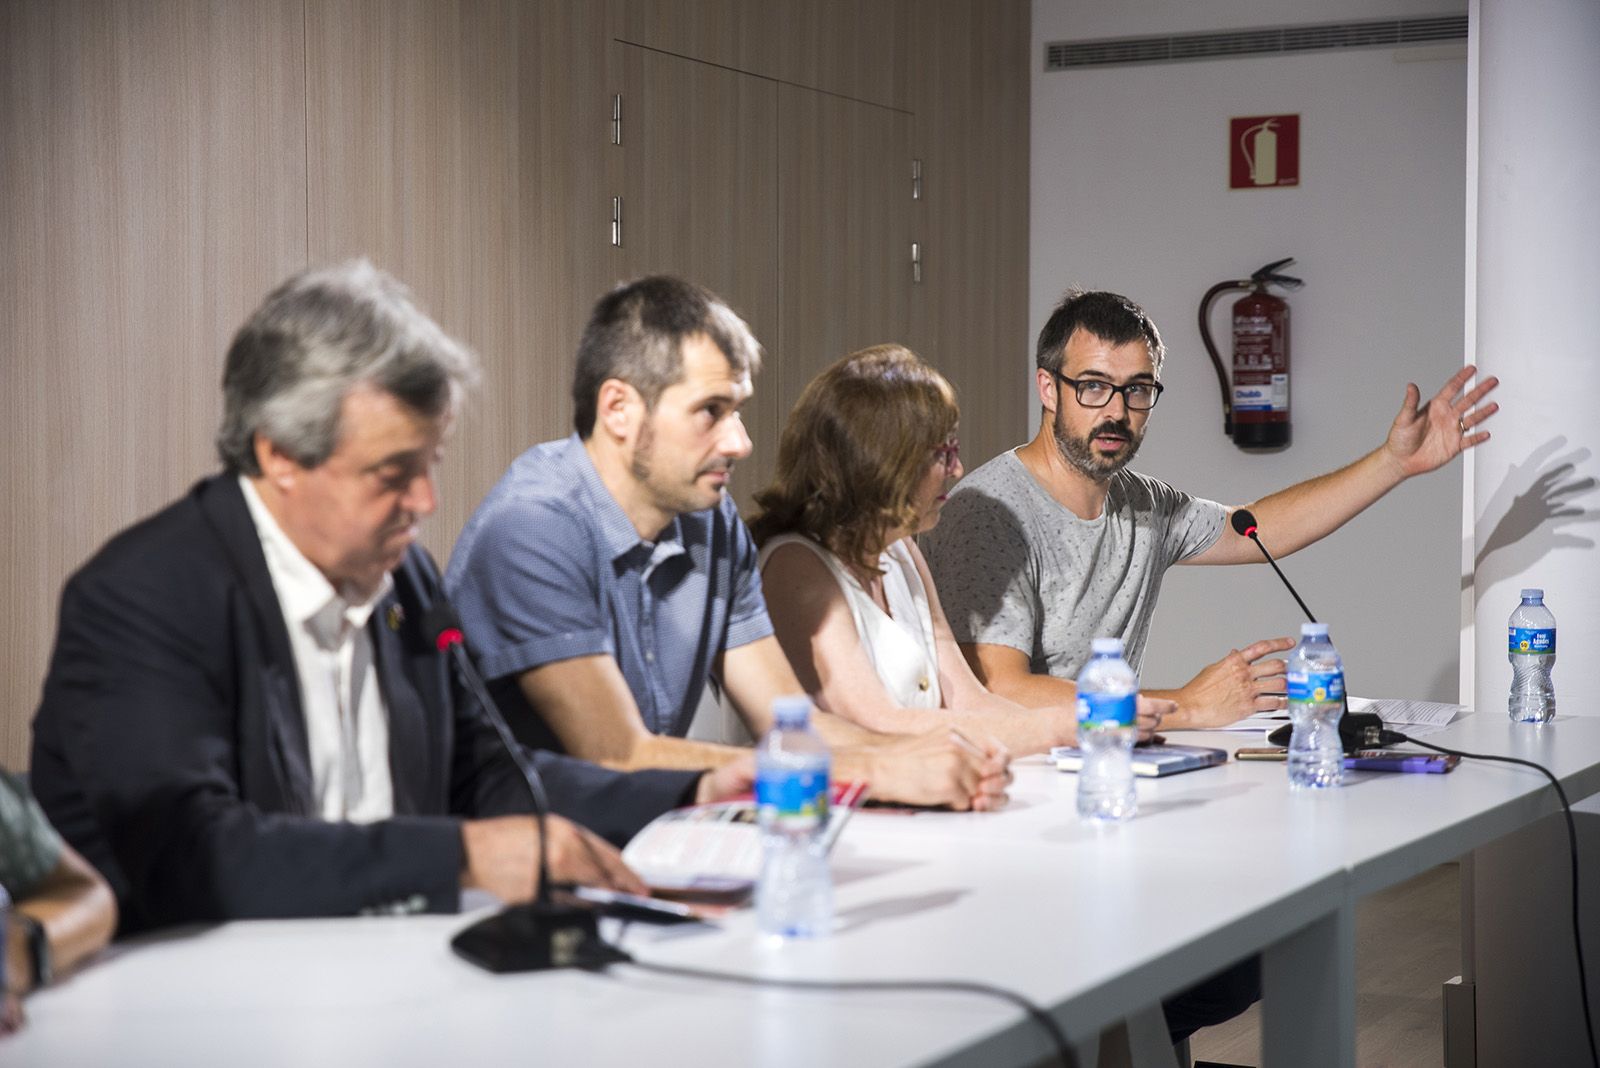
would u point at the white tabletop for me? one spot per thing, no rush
(1092, 922)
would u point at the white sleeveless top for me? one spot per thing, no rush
(899, 644)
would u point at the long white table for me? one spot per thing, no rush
(1094, 923)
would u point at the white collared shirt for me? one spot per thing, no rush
(347, 725)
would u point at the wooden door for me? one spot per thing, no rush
(844, 231)
(698, 181)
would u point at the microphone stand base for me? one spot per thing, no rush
(536, 937)
(1357, 730)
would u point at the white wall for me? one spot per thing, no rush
(1536, 300)
(1129, 193)
(1536, 502)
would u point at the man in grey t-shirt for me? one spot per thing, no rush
(1051, 544)
(1038, 553)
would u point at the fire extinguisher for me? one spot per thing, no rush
(1255, 408)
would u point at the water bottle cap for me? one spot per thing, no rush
(793, 711)
(1532, 594)
(1107, 646)
(1313, 630)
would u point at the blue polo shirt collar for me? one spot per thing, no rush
(616, 529)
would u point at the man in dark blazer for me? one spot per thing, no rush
(243, 715)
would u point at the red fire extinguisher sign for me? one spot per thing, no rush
(1263, 151)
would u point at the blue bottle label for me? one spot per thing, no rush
(1106, 710)
(1531, 641)
(797, 798)
(1317, 687)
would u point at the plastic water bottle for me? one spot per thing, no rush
(1107, 695)
(1316, 703)
(1531, 637)
(794, 897)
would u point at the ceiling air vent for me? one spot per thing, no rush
(1276, 41)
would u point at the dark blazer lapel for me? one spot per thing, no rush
(411, 679)
(222, 503)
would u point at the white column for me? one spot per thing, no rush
(1533, 494)
(1536, 508)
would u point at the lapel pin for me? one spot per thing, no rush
(396, 616)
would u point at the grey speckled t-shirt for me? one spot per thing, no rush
(1013, 567)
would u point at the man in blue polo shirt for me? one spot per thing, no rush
(608, 576)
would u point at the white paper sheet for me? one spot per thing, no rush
(1414, 717)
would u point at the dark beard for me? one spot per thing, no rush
(679, 500)
(1079, 452)
(643, 452)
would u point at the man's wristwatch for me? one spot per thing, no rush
(38, 949)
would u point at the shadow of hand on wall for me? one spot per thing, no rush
(1540, 505)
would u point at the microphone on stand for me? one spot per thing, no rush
(1244, 522)
(1357, 730)
(544, 933)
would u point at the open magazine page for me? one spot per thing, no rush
(715, 850)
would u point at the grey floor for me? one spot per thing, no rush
(1408, 943)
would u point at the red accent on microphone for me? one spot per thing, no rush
(1250, 531)
(448, 637)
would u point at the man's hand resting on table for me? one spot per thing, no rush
(1244, 682)
(502, 857)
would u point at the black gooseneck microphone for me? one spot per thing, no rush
(1244, 523)
(544, 933)
(1357, 730)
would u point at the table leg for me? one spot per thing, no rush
(1139, 1041)
(1308, 1004)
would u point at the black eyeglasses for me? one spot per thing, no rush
(1097, 393)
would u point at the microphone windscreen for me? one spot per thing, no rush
(1243, 520)
(439, 618)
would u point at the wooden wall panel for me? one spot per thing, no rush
(961, 67)
(166, 163)
(855, 48)
(844, 232)
(460, 146)
(969, 316)
(698, 174)
(153, 174)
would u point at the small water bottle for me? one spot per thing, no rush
(1107, 695)
(1316, 704)
(1531, 640)
(794, 897)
